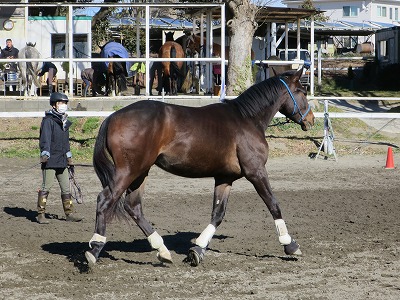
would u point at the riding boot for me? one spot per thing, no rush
(41, 207)
(70, 214)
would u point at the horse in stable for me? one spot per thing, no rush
(116, 71)
(29, 70)
(170, 74)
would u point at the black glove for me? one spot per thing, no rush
(69, 161)
(44, 159)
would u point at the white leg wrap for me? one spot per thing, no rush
(284, 237)
(206, 236)
(155, 240)
(97, 238)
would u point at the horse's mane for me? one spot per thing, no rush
(256, 98)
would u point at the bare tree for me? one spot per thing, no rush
(242, 26)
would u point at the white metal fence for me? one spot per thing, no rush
(350, 114)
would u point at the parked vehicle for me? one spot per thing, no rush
(305, 56)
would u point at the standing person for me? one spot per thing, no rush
(87, 77)
(55, 157)
(10, 52)
(52, 70)
(93, 78)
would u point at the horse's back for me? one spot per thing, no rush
(187, 141)
(165, 52)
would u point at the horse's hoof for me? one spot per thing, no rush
(90, 259)
(163, 259)
(196, 255)
(164, 255)
(293, 248)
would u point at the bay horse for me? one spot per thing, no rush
(171, 70)
(224, 140)
(29, 70)
(116, 71)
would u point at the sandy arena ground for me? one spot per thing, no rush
(345, 216)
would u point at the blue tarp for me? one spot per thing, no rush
(114, 49)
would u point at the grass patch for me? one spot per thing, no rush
(20, 137)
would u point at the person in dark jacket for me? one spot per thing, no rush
(52, 70)
(10, 52)
(94, 79)
(55, 157)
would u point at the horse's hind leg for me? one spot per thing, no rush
(107, 207)
(98, 241)
(133, 205)
(221, 195)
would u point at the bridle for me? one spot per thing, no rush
(295, 103)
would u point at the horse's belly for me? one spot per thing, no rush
(201, 166)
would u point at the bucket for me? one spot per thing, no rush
(217, 90)
(11, 76)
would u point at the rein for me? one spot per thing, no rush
(76, 191)
(295, 103)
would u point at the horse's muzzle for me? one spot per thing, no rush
(308, 121)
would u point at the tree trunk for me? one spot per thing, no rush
(241, 27)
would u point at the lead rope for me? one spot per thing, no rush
(76, 191)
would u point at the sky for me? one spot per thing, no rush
(277, 3)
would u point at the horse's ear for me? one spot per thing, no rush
(296, 76)
(34, 44)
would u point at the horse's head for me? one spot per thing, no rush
(295, 105)
(193, 44)
(169, 36)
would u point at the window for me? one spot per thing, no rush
(390, 13)
(381, 11)
(350, 11)
(396, 14)
(383, 47)
(80, 45)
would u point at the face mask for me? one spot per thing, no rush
(62, 108)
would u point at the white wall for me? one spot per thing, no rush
(17, 34)
(40, 30)
(367, 9)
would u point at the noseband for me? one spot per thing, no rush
(295, 103)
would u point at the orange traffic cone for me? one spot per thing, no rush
(389, 159)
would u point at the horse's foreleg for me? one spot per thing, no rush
(221, 195)
(133, 205)
(263, 188)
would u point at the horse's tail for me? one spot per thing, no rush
(105, 169)
(33, 72)
(121, 78)
(102, 158)
(174, 69)
(122, 83)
